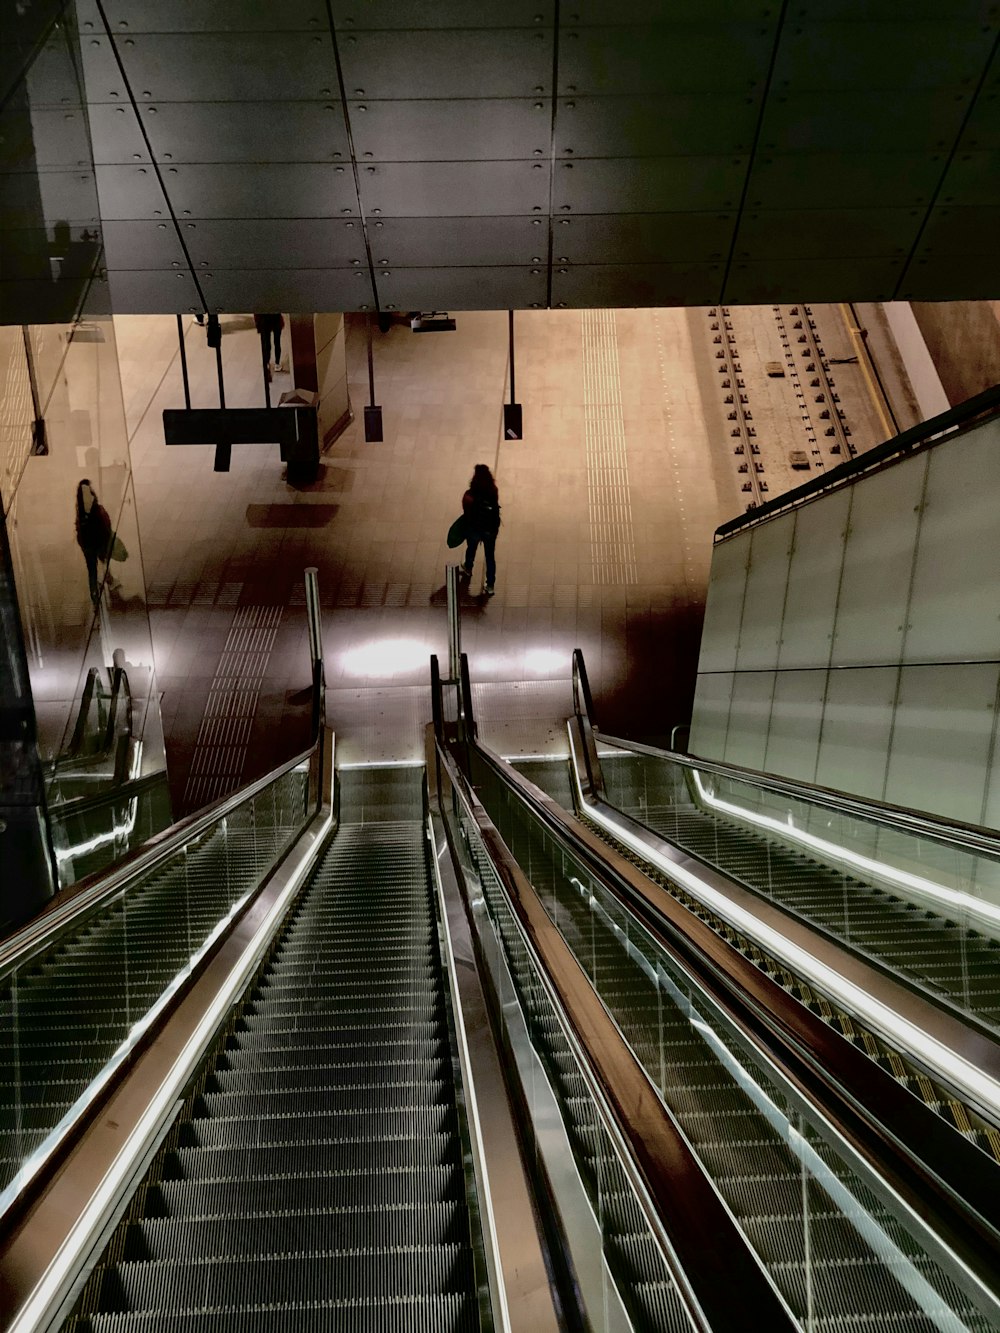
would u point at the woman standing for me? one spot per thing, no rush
(481, 506)
(93, 532)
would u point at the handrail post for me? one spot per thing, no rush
(312, 613)
(318, 673)
(454, 624)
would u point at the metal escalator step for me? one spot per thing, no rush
(426, 1313)
(399, 1187)
(420, 1058)
(192, 1240)
(326, 1274)
(262, 1132)
(231, 1090)
(300, 1159)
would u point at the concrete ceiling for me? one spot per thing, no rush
(404, 154)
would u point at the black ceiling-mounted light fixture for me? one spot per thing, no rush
(432, 321)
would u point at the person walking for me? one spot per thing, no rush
(269, 327)
(481, 507)
(93, 532)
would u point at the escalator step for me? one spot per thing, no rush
(262, 1132)
(402, 1187)
(447, 1313)
(325, 1275)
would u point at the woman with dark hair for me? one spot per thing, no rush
(481, 506)
(93, 532)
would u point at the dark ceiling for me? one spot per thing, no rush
(404, 154)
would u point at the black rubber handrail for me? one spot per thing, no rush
(982, 404)
(944, 1177)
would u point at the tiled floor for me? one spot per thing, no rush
(639, 429)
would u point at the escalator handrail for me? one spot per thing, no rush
(959, 1188)
(970, 837)
(881, 456)
(700, 1225)
(90, 893)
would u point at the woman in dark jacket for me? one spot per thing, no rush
(481, 506)
(93, 532)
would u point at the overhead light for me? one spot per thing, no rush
(432, 321)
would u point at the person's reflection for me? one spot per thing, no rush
(93, 532)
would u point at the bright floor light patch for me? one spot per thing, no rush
(384, 658)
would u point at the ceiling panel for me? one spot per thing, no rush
(142, 245)
(648, 184)
(643, 238)
(64, 195)
(898, 52)
(603, 12)
(249, 243)
(960, 231)
(656, 59)
(497, 62)
(811, 234)
(212, 67)
(152, 292)
(825, 180)
(466, 241)
(234, 16)
(826, 279)
(456, 130)
(296, 291)
(433, 189)
(222, 132)
(973, 178)
(390, 14)
(586, 286)
(459, 289)
(863, 121)
(226, 191)
(48, 138)
(698, 123)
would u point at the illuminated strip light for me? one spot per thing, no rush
(973, 1082)
(51, 1287)
(985, 913)
(499, 1287)
(871, 1231)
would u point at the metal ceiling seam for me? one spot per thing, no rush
(778, 30)
(152, 156)
(552, 151)
(949, 159)
(354, 157)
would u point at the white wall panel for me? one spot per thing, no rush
(749, 716)
(941, 738)
(878, 565)
(857, 723)
(793, 737)
(810, 602)
(710, 720)
(724, 606)
(955, 610)
(764, 602)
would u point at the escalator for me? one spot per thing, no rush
(316, 1174)
(840, 1242)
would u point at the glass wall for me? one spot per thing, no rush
(65, 474)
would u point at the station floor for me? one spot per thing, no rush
(609, 504)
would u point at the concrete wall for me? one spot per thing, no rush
(855, 642)
(963, 338)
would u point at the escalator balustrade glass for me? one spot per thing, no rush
(926, 908)
(841, 1247)
(72, 1011)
